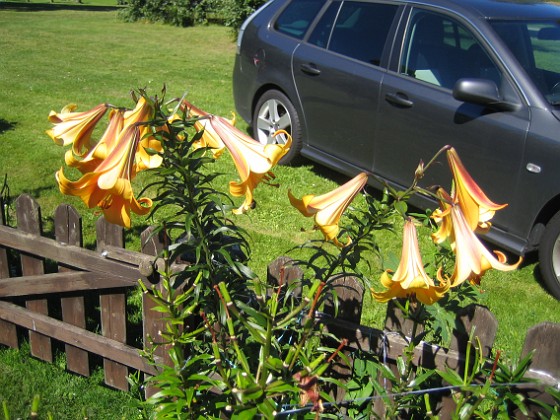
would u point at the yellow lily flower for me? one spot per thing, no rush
(252, 159)
(99, 152)
(476, 206)
(210, 137)
(75, 127)
(328, 208)
(108, 185)
(410, 278)
(440, 216)
(472, 259)
(142, 113)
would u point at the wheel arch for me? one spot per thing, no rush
(546, 213)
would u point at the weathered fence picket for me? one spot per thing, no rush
(68, 230)
(28, 292)
(104, 274)
(8, 332)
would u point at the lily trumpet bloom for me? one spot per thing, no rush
(210, 137)
(108, 185)
(75, 128)
(252, 159)
(476, 206)
(119, 120)
(328, 208)
(410, 278)
(140, 115)
(472, 259)
(95, 156)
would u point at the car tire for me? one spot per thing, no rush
(549, 256)
(274, 111)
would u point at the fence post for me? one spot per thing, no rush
(8, 331)
(68, 230)
(349, 292)
(153, 321)
(544, 340)
(283, 271)
(29, 221)
(396, 321)
(478, 321)
(113, 308)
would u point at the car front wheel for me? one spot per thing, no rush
(274, 111)
(549, 256)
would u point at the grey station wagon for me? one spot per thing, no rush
(378, 85)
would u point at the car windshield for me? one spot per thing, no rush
(536, 45)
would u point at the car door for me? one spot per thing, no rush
(337, 77)
(418, 113)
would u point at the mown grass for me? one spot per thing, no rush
(49, 58)
(63, 395)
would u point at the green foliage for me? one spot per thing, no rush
(231, 13)
(235, 12)
(236, 344)
(487, 390)
(173, 12)
(26, 382)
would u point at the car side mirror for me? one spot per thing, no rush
(481, 92)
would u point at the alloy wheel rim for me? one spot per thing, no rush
(556, 258)
(273, 116)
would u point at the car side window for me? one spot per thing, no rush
(296, 18)
(360, 30)
(440, 51)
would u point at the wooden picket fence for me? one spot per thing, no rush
(57, 293)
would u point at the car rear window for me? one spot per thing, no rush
(297, 16)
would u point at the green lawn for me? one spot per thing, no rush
(49, 58)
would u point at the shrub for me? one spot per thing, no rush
(231, 13)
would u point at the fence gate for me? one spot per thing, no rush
(50, 289)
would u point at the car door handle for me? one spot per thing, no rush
(310, 69)
(399, 99)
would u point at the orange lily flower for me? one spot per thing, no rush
(118, 121)
(210, 137)
(108, 185)
(99, 152)
(252, 159)
(142, 113)
(75, 127)
(472, 259)
(441, 218)
(328, 208)
(410, 278)
(476, 206)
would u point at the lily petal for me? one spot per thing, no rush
(95, 156)
(472, 258)
(476, 206)
(328, 208)
(410, 278)
(108, 185)
(210, 139)
(75, 128)
(140, 115)
(252, 159)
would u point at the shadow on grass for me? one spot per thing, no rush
(6, 125)
(41, 7)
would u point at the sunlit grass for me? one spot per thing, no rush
(63, 395)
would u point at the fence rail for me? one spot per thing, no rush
(58, 300)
